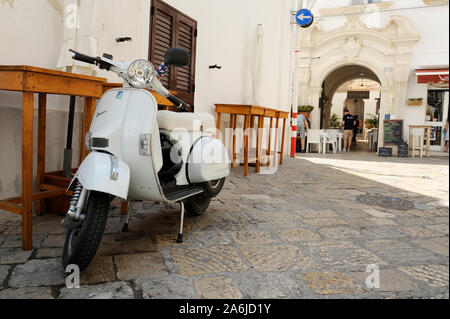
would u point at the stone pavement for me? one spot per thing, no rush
(308, 231)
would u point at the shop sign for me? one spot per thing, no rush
(438, 78)
(358, 95)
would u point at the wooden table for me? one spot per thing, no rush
(426, 127)
(30, 80)
(250, 112)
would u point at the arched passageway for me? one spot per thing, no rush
(355, 83)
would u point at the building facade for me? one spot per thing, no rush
(401, 45)
(249, 40)
(397, 44)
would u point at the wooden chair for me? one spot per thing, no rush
(418, 146)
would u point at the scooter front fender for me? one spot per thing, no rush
(104, 173)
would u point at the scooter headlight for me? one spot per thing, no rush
(141, 73)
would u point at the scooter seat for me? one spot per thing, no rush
(171, 121)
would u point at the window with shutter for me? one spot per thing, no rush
(172, 28)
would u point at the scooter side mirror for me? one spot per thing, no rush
(177, 57)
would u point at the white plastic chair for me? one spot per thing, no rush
(341, 140)
(375, 138)
(313, 138)
(330, 137)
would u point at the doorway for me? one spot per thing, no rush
(436, 115)
(358, 89)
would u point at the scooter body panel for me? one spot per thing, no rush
(104, 173)
(208, 161)
(185, 140)
(122, 117)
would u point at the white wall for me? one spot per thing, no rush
(431, 22)
(226, 35)
(31, 32)
(414, 115)
(227, 32)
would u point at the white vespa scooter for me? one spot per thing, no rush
(141, 154)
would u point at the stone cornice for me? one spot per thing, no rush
(435, 2)
(356, 8)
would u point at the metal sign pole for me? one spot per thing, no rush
(294, 79)
(304, 18)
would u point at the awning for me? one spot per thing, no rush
(435, 76)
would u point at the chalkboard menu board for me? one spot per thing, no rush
(393, 132)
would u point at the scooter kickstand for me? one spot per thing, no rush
(127, 222)
(180, 234)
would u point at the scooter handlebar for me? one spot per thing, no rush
(83, 58)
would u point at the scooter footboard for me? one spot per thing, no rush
(208, 161)
(104, 173)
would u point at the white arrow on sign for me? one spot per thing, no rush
(302, 17)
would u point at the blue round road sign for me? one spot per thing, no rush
(304, 17)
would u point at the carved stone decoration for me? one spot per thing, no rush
(435, 2)
(354, 21)
(351, 47)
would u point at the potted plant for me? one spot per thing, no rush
(372, 121)
(305, 110)
(415, 101)
(335, 121)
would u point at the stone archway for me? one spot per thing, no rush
(385, 52)
(337, 78)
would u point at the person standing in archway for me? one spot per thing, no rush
(348, 122)
(302, 129)
(355, 130)
(447, 136)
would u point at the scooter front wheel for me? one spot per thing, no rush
(82, 242)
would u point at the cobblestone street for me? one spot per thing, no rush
(308, 231)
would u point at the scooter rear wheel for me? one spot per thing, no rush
(197, 205)
(82, 243)
(213, 188)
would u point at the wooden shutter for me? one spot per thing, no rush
(171, 28)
